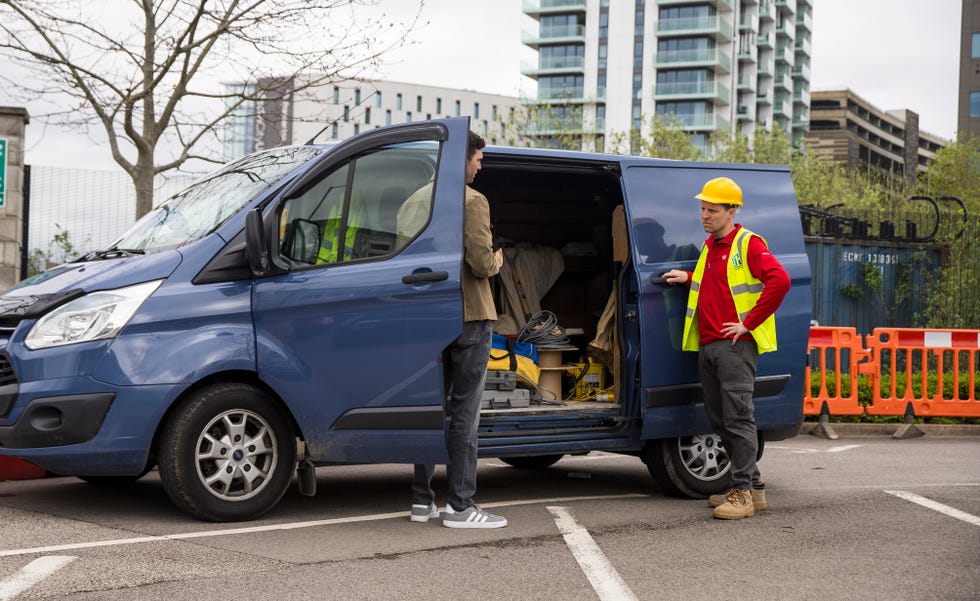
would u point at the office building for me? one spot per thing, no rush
(968, 117)
(848, 129)
(608, 66)
(340, 110)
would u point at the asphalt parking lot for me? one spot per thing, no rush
(861, 517)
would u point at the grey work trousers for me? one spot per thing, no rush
(727, 380)
(468, 357)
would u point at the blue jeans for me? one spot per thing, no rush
(468, 357)
(727, 381)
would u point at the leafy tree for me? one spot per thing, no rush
(151, 73)
(61, 250)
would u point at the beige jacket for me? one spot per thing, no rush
(478, 262)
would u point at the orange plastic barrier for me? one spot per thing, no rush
(908, 360)
(838, 351)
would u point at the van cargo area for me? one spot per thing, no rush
(554, 222)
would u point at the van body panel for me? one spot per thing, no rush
(664, 220)
(332, 339)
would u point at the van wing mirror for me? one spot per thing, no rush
(256, 244)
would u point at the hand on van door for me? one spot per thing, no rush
(498, 258)
(675, 276)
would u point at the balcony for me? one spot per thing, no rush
(700, 122)
(804, 20)
(801, 71)
(764, 96)
(801, 97)
(804, 47)
(748, 53)
(553, 65)
(709, 25)
(536, 8)
(567, 96)
(746, 81)
(748, 23)
(788, 4)
(554, 35)
(784, 81)
(782, 108)
(746, 112)
(705, 57)
(764, 41)
(766, 11)
(784, 54)
(694, 90)
(721, 5)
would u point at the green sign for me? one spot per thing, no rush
(3, 171)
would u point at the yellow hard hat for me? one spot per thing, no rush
(721, 191)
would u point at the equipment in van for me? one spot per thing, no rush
(521, 358)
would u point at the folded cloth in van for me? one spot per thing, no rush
(527, 274)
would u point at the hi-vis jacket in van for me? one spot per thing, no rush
(745, 289)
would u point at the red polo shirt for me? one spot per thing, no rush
(715, 303)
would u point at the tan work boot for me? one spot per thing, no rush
(758, 499)
(737, 505)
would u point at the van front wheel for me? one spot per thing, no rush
(227, 453)
(689, 466)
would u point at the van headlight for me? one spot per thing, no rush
(94, 316)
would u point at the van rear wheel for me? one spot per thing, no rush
(227, 453)
(689, 466)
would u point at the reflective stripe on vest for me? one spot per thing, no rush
(745, 289)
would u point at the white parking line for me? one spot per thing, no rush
(290, 526)
(935, 506)
(31, 574)
(846, 447)
(603, 577)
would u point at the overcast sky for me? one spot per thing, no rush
(896, 54)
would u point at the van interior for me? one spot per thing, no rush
(555, 221)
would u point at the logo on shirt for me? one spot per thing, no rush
(737, 260)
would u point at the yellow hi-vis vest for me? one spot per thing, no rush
(331, 240)
(745, 290)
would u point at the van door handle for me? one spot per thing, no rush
(425, 276)
(660, 281)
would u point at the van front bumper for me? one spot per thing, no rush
(57, 420)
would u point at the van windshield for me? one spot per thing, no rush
(198, 210)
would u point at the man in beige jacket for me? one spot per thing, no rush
(468, 359)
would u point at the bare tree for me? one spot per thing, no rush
(152, 74)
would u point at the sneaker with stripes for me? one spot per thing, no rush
(471, 517)
(422, 513)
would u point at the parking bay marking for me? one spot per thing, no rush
(603, 577)
(292, 525)
(31, 574)
(936, 506)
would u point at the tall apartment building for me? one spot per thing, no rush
(342, 109)
(848, 129)
(608, 66)
(968, 115)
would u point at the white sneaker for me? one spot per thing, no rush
(471, 517)
(422, 513)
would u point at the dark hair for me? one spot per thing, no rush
(474, 143)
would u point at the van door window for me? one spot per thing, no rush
(352, 212)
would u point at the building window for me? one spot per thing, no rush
(377, 99)
(336, 95)
(346, 113)
(493, 112)
(458, 108)
(334, 131)
(357, 96)
(975, 46)
(398, 102)
(418, 103)
(476, 110)
(408, 117)
(367, 116)
(438, 105)
(388, 117)
(974, 104)
(357, 128)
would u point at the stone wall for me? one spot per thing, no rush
(13, 122)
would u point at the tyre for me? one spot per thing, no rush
(689, 466)
(534, 462)
(227, 453)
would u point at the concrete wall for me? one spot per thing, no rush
(13, 122)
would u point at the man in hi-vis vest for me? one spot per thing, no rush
(734, 291)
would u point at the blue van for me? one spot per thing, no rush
(270, 319)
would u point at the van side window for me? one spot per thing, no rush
(351, 212)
